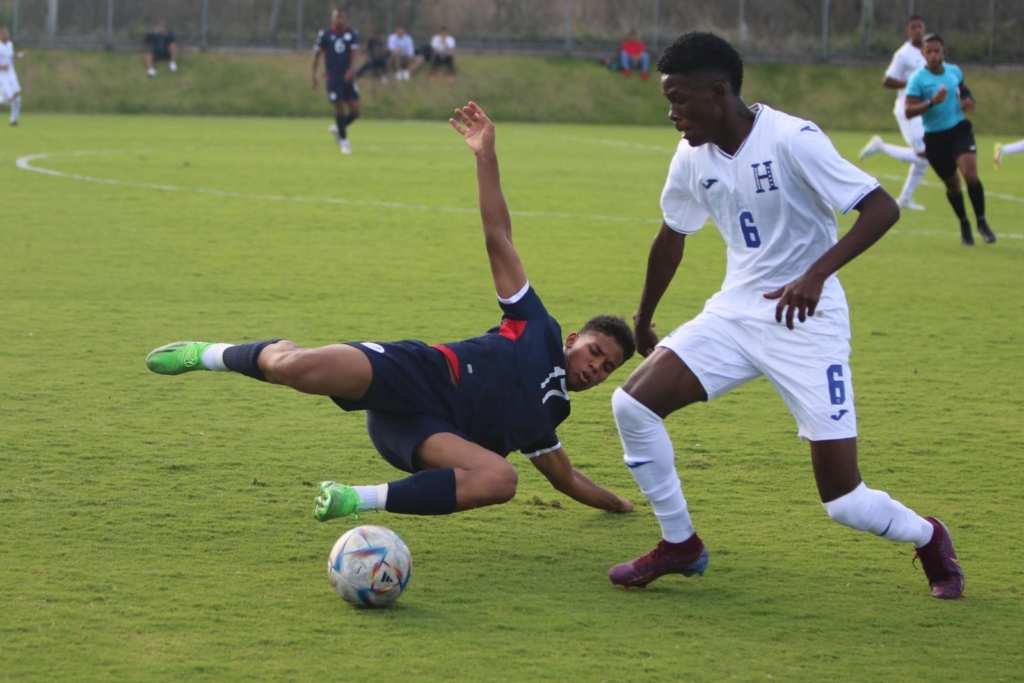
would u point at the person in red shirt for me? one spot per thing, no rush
(634, 56)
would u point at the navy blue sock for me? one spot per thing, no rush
(430, 492)
(348, 118)
(341, 122)
(242, 358)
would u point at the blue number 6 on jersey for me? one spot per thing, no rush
(750, 235)
(836, 387)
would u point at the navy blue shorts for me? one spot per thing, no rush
(338, 89)
(410, 399)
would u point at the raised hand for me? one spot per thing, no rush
(476, 128)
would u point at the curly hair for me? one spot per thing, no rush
(616, 328)
(702, 52)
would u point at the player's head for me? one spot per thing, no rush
(400, 30)
(915, 29)
(161, 25)
(632, 35)
(934, 50)
(338, 17)
(596, 351)
(443, 30)
(5, 35)
(701, 77)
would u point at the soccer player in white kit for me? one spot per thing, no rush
(770, 182)
(905, 61)
(1002, 150)
(10, 89)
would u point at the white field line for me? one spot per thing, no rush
(26, 163)
(928, 183)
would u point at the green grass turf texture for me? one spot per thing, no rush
(160, 528)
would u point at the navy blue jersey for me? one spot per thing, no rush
(159, 42)
(512, 393)
(337, 49)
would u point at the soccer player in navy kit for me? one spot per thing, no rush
(339, 46)
(449, 414)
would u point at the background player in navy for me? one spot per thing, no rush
(339, 46)
(449, 414)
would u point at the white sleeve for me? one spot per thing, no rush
(451, 42)
(392, 42)
(832, 177)
(896, 70)
(680, 208)
(436, 44)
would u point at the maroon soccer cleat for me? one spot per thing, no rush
(940, 564)
(687, 558)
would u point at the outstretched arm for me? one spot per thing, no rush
(666, 254)
(559, 471)
(506, 268)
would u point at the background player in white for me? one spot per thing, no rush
(905, 61)
(10, 89)
(770, 182)
(1002, 150)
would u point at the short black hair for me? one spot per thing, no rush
(616, 328)
(934, 38)
(699, 52)
(915, 17)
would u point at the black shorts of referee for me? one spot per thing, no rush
(946, 146)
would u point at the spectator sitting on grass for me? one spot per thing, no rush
(162, 46)
(634, 56)
(376, 57)
(401, 49)
(443, 48)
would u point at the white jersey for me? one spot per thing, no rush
(905, 61)
(773, 203)
(9, 86)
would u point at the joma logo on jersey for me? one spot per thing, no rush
(559, 374)
(767, 175)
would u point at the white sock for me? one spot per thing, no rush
(914, 178)
(651, 460)
(213, 358)
(15, 109)
(866, 509)
(372, 497)
(904, 154)
(1012, 148)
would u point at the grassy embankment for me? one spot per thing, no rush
(512, 88)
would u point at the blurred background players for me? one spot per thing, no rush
(939, 95)
(339, 46)
(1002, 150)
(162, 47)
(634, 56)
(10, 89)
(442, 48)
(376, 57)
(401, 49)
(905, 61)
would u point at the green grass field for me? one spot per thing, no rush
(160, 529)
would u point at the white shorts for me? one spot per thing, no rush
(9, 86)
(913, 132)
(810, 371)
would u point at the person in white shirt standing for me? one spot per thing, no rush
(905, 61)
(401, 49)
(10, 89)
(770, 182)
(442, 47)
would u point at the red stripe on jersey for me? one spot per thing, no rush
(512, 329)
(453, 361)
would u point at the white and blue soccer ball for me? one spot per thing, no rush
(369, 566)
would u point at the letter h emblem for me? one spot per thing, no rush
(758, 177)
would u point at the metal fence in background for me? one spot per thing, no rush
(989, 31)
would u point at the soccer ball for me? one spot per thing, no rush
(369, 566)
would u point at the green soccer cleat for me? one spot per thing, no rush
(176, 358)
(336, 500)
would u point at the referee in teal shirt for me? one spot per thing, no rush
(948, 136)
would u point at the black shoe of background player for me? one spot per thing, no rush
(966, 238)
(986, 233)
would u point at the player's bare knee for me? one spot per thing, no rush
(500, 483)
